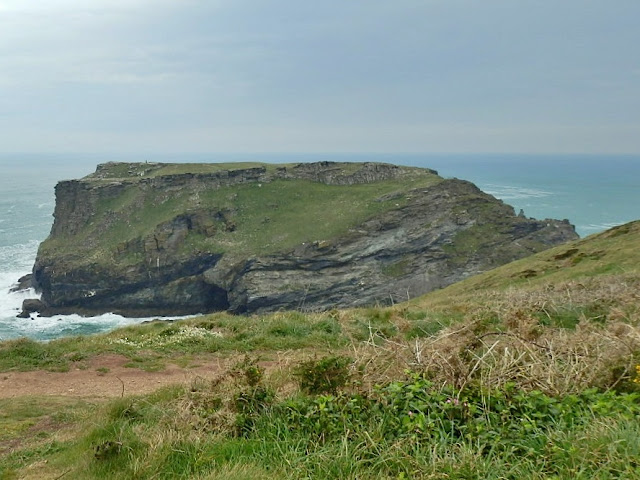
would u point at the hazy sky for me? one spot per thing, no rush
(331, 76)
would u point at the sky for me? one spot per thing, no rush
(414, 76)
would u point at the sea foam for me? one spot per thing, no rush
(17, 261)
(509, 192)
(48, 328)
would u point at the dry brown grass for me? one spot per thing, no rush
(512, 337)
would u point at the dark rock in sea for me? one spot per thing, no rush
(31, 305)
(24, 283)
(175, 239)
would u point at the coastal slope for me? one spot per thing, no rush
(163, 239)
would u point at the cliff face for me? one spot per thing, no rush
(152, 239)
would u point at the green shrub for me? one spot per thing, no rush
(326, 375)
(253, 396)
(508, 421)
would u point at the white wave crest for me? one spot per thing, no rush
(509, 192)
(11, 302)
(599, 227)
(17, 258)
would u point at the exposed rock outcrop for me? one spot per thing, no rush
(160, 239)
(29, 306)
(24, 283)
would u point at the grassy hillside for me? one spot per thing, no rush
(611, 254)
(527, 371)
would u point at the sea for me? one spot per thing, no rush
(594, 192)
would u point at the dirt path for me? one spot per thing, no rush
(89, 382)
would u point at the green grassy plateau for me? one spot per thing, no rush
(264, 217)
(528, 371)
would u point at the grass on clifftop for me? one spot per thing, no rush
(259, 218)
(122, 170)
(528, 371)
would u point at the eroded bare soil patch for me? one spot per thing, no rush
(105, 376)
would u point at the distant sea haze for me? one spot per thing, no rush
(594, 192)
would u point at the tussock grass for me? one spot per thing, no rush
(408, 429)
(563, 339)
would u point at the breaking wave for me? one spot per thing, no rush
(508, 192)
(598, 227)
(48, 328)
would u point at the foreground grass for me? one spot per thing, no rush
(531, 383)
(504, 376)
(240, 427)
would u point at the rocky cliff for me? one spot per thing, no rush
(156, 239)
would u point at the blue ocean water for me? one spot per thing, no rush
(594, 192)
